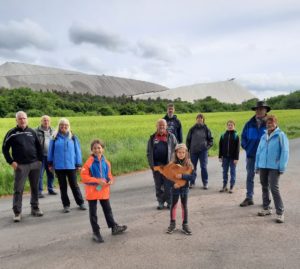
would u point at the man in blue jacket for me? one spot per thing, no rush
(252, 132)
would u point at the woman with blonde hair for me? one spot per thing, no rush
(64, 156)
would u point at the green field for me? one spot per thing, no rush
(126, 136)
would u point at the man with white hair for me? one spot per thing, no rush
(25, 158)
(44, 133)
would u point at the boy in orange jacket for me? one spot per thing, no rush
(97, 177)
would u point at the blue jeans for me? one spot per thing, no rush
(250, 167)
(202, 156)
(226, 164)
(50, 176)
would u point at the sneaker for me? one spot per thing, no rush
(160, 206)
(265, 212)
(52, 192)
(171, 228)
(186, 229)
(118, 229)
(41, 195)
(205, 187)
(82, 207)
(97, 237)
(247, 202)
(224, 189)
(36, 212)
(231, 190)
(280, 218)
(17, 218)
(66, 209)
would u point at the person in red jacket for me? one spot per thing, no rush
(97, 177)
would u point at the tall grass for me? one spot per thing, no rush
(126, 136)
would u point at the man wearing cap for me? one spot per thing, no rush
(252, 132)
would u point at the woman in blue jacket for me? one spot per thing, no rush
(271, 160)
(64, 156)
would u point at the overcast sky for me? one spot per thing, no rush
(173, 43)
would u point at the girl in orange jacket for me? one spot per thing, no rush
(97, 177)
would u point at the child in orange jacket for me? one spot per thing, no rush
(97, 177)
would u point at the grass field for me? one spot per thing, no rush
(126, 136)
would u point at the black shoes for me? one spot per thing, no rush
(82, 207)
(52, 192)
(97, 237)
(36, 212)
(118, 229)
(160, 206)
(186, 229)
(247, 202)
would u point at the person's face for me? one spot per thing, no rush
(180, 153)
(230, 126)
(161, 127)
(199, 120)
(45, 123)
(171, 111)
(260, 112)
(97, 150)
(22, 121)
(63, 128)
(271, 125)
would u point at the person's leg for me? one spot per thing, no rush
(232, 173)
(264, 180)
(203, 164)
(41, 175)
(158, 181)
(274, 186)
(72, 178)
(194, 160)
(184, 208)
(174, 202)
(250, 167)
(50, 177)
(108, 213)
(225, 165)
(63, 186)
(33, 176)
(93, 215)
(20, 177)
(167, 191)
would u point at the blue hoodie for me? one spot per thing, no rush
(64, 152)
(273, 151)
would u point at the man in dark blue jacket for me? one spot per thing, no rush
(252, 132)
(174, 124)
(25, 158)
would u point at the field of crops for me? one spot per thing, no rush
(126, 136)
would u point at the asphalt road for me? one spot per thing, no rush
(224, 234)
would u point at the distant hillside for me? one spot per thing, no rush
(17, 75)
(224, 91)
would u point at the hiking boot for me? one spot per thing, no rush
(17, 217)
(36, 212)
(186, 229)
(224, 189)
(66, 209)
(265, 212)
(171, 228)
(247, 202)
(97, 237)
(280, 218)
(118, 229)
(41, 195)
(82, 207)
(52, 192)
(205, 187)
(160, 206)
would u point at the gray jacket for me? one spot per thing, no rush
(41, 136)
(172, 142)
(199, 138)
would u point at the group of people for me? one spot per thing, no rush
(267, 151)
(31, 152)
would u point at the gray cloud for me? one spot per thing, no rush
(16, 35)
(82, 34)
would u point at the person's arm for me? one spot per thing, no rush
(110, 177)
(179, 133)
(244, 141)
(220, 147)
(78, 158)
(237, 148)
(38, 146)
(188, 140)
(210, 139)
(86, 177)
(5, 149)
(190, 177)
(284, 156)
(149, 153)
(50, 156)
(260, 145)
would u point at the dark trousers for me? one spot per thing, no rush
(226, 164)
(23, 171)
(174, 202)
(269, 179)
(50, 176)
(107, 213)
(202, 156)
(162, 188)
(62, 176)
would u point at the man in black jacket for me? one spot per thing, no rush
(25, 159)
(174, 124)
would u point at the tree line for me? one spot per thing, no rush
(56, 103)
